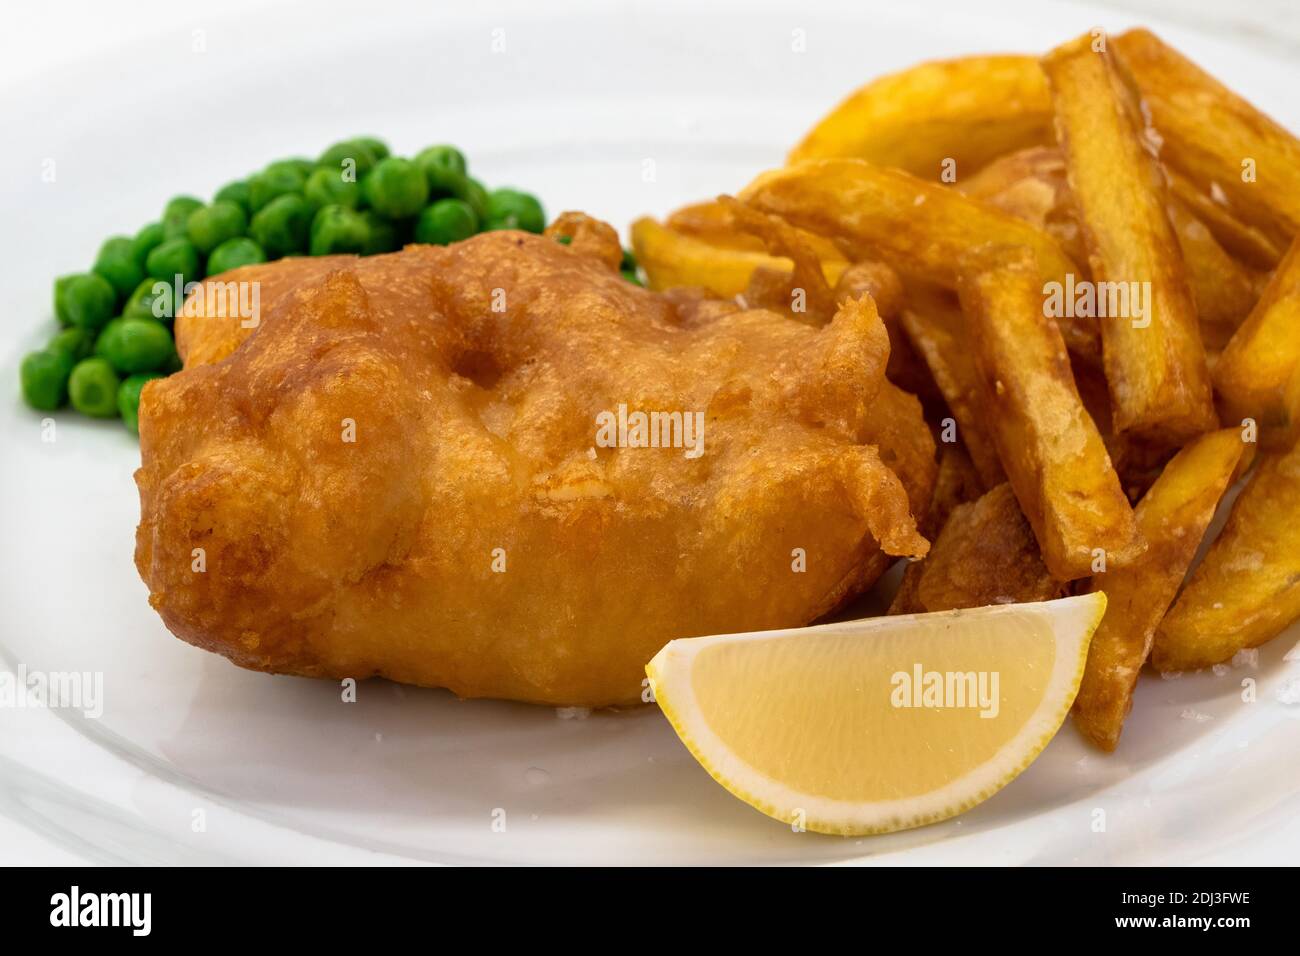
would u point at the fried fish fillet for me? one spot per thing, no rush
(400, 471)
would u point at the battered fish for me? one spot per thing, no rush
(413, 467)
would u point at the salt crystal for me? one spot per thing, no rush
(1289, 692)
(1246, 657)
(1199, 716)
(573, 713)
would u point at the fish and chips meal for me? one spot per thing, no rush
(1015, 327)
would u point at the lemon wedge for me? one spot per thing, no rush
(883, 724)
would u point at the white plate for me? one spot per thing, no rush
(578, 107)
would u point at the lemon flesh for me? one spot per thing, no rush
(883, 724)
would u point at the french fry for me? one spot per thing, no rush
(985, 554)
(1222, 288)
(919, 228)
(1247, 588)
(935, 328)
(968, 110)
(713, 222)
(1172, 516)
(1214, 137)
(1245, 242)
(1154, 359)
(672, 259)
(784, 240)
(1258, 373)
(1032, 185)
(1050, 448)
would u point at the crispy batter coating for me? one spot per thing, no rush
(400, 472)
(986, 554)
(1173, 517)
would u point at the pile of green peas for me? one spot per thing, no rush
(356, 197)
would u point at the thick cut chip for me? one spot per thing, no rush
(1250, 244)
(1155, 363)
(1173, 516)
(920, 228)
(1247, 588)
(713, 222)
(1258, 373)
(1209, 133)
(1223, 289)
(967, 110)
(673, 259)
(1050, 448)
(1032, 185)
(935, 328)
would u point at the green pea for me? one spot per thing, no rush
(272, 183)
(476, 194)
(337, 229)
(92, 386)
(135, 345)
(396, 188)
(327, 187)
(444, 168)
(174, 364)
(512, 209)
(446, 182)
(180, 207)
(212, 225)
(234, 253)
(176, 215)
(106, 341)
(128, 399)
(281, 227)
(44, 379)
(378, 148)
(88, 300)
(631, 276)
(116, 263)
(60, 303)
(152, 299)
(145, 241)
(298, 163)
(629, 263)
(75, 343)
(447, 220)
(172, 258)
(564, 240)
(236, 192)
(352, 156)
(381, 234)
